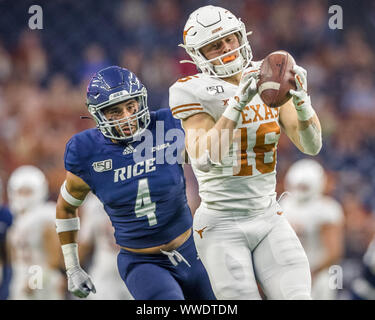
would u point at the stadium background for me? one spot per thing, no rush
(44, 74)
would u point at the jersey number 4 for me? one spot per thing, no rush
(265, 153)
(143, 205)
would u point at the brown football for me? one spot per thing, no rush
(276, 78)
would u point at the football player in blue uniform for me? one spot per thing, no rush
(131, 163)
(6, 219)
(363, 286)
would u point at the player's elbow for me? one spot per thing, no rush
(311, 142)
(313, 150)
(64, 210)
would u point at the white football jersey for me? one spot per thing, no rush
(246, 177)
(307, 219)
(29, 255)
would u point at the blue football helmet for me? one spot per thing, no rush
(111, 86)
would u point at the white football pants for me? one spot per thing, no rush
(320, 289)
(238, 251)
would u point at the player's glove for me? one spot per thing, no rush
(247, 89)
(301, 99)
(79, 282)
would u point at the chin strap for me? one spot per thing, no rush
(85, 118)
(187, 61)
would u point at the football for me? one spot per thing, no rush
(276, 78)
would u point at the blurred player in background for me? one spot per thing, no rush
(6, 219)
(36, 255)
(130, 163)
(239, 231)
(97, 244)
(318, 221)
(363, 287)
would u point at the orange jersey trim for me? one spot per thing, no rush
(185, 105)
(189, 109)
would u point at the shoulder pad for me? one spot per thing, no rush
(182, 100)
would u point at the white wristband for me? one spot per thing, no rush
(63, 225)
(70, 252)
(233, 110)
(68, 197)
(305, 111)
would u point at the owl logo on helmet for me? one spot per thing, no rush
(111, 86)
(208, 24)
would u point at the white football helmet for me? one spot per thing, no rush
(305, 179)
(208, 24)
(27, 188)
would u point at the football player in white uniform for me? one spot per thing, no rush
(96, 237)
(36, 254)
(318, 222)
(231, 138)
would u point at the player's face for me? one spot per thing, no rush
(301, 191)
(122, 110)
(24, 192)
(22, 198)
(220, 47)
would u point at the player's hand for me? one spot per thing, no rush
(247, 88)
(300, 96)
(79, 282)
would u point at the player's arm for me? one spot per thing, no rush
(331, 237)
(298, 118)
(203, 138)
(51, 247)
(73, 192)
(208, 142)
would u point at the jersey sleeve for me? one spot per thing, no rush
(183, 102)
(332, 213)
(72, 160)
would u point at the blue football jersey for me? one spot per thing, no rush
(6, 220)
(141, 184)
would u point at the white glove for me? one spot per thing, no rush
(79, 282)
(247, 88)
(300, 96)
(301, 99)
